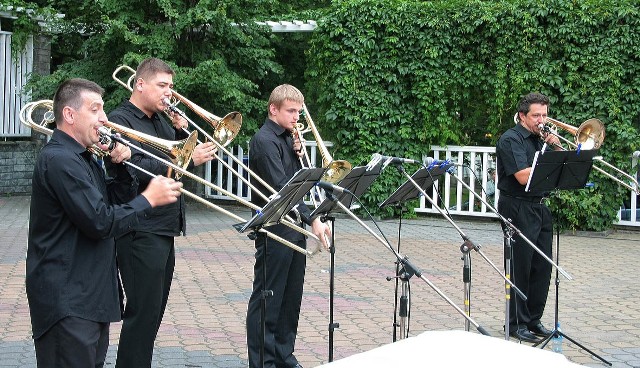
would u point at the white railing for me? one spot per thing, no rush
(629, 215)
(472, 165)
(13, 77)
(219, 175)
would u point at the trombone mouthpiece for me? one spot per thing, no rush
(104, 131)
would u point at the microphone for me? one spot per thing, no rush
(330, 187)
(430, 161)
(398, 160)
(376, 157)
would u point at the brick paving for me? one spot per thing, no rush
(204, 322)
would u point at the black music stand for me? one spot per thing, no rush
(560, 170)
(424, 177)
(553, 170)
(355, 184)
(278, 207)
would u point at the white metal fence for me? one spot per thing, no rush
(220, 175)
(13, 77)
(472, 164)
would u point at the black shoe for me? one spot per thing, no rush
(540, 330)
(523, 334)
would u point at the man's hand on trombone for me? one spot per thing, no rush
(322, 231)
(204, 152)
(178, 121)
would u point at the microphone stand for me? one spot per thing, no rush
(510, 229)
(468, 244)
(332, 251)
(403, 277)
(508, 239)
(412, 269)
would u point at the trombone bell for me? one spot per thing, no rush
(590, 134)
(227, 128)
(336, 171)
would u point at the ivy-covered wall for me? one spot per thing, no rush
(396, 77)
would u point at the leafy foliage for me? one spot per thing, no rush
(396, 77)
(223, 60)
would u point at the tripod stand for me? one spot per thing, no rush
(560, 170)
(355, 183)
(556, 323)
(415, 186)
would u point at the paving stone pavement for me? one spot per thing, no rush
(204, 322)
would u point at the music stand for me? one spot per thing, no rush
(278, 207)
(355, 184)
(560, 170)
(424, 177)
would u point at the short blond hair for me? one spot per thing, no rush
(284, 92)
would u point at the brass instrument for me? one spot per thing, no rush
(336, 169)
(224, 129)
(26, 117)
(179, 152)
(116, 128)
(233, 119)
(589, 135)
(222, 136)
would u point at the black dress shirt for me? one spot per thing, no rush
(515, 151)
(166, 220)
(71, 263)
(272, 158)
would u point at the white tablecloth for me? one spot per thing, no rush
(454, 349)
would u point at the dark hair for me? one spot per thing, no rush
(68, 94)
(152, 66)
(532, 98)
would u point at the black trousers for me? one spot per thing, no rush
(146, 263)
(285, 277)
(530, 272)
(73, 343)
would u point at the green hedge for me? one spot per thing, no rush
(396, 77)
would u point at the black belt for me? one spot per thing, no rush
(539, 200)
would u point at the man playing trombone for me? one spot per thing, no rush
(274, 158)
(146, 256)
(530, 272)
(71, 274)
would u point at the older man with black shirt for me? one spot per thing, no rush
(530, 272)
(71, 275)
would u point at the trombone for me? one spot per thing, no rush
(168, 147)
(233, 120)
(589, 135)
(225, 129)
(336, 169)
